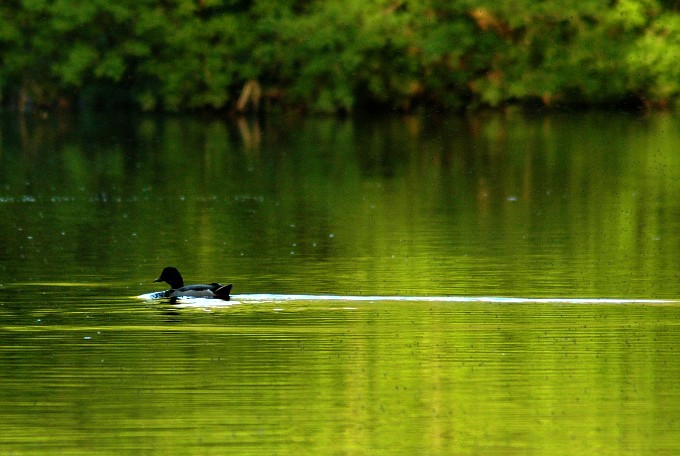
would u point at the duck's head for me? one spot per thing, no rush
(172, 277)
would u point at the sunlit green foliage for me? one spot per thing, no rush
(654, 61)
(337, 55)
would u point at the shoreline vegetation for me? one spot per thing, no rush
(337, 56)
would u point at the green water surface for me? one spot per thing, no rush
(526, 206)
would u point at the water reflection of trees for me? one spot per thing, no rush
(513, 194)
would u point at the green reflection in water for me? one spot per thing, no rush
(571, 206)
(582, 206)
(312, 377)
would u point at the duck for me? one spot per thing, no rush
(172, 277)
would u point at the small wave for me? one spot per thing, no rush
(486, 299)
(265, 298)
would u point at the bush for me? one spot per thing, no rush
(336, 55)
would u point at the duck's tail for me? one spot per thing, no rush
(223, 292)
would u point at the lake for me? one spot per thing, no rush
(505, 283)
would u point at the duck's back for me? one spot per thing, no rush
(216, 290)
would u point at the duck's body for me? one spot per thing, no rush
(173, 278)
(213, 290)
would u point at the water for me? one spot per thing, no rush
(497, 285)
